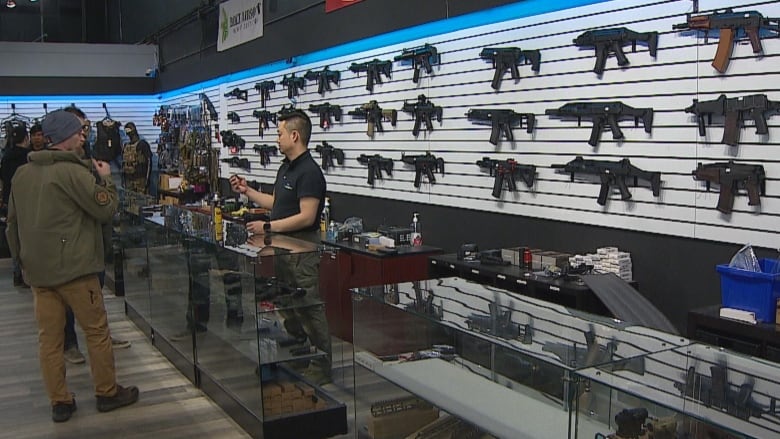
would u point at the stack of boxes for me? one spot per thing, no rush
(285, 397)
(608, 260)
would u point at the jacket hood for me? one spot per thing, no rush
(49, 157)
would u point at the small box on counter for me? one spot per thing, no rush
(366, 239)
(399, 235)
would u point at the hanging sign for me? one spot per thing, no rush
(239, 21)
(332, 5)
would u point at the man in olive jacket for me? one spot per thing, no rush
(55, 214)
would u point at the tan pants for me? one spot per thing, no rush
(85, 298)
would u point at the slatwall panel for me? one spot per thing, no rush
(668, 83)
(137, 109)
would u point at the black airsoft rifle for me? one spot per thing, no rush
(292, 83)
(236, 162)
(424, 164)
(233, 141)
(613, 40)
(323, 77)
(265, 151)
(612, 174)
(716, 391)
(325, 111)
(507, 170)
(233, 117)
(374, 71)
(327, 151)
(209, 106)
(592, 354)
(499, 323)
(374, 115)
(502, 121)
(376, 164)
(602, 114)
(286, 109)
(238, 94)
(264, 120)
(731, 177)
(423, 111)
(424, 56)
(736, 110)
(729, 23)
(508, 58)
(264, 88)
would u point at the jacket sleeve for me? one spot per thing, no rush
(12, 229)
(99, 200)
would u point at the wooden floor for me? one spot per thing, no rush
(169, 406)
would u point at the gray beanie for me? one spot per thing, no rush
(59, 125)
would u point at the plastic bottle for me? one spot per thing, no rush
(416, 231)
(216, 218)
(331, 233)
(325, 216)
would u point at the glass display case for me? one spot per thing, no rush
(448, 355)
(695, 391)
(238, 314)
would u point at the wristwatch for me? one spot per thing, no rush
(267, 226)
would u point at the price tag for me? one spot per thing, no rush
(475, 271)
(501, 276)
(522, 282)
(554, 288)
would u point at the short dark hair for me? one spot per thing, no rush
(75, 110)
(36, 128)
(18, 133)
(299, 121)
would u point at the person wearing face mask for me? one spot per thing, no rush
(136, 161)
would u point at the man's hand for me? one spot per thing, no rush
(238, 184)
(255, 227)
(103, 168)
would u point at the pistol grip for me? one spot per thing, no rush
(755, 39)
(725, 46)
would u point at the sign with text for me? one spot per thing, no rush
(332, 5)
(239, 21)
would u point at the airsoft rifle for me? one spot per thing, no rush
(613, 40)
(602, 114)
(233, 141)
(323, 77)
(374, 115)
(423, 111)
(424, 56)
(508, 58)
(265, 151)
(264, 120)
(731, 177)
(236, 162)
(325, 111)
(502, 121)
(209, 106)
(327, 151)
(612, 174)
(238, 94)
(729, 23)
(736, 110)
(293, 83)
(424, 164)
(233, 117)
(507, 170)
(264, 88)
(376, 164)
(374, 71)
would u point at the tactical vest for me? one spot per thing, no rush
(131, 159)
(108, 144)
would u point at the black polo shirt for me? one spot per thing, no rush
(298, 179)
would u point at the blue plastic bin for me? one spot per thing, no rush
(751, 291)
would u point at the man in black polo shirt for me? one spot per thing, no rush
(296, 205)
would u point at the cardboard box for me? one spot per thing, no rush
(401, 424)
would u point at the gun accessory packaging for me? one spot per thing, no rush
(736, 110)
(502, 121)
(604, 114)
(374, 70)
(612, 174)
(424, 56)
(731, 177)
(328, 151)
(607, 41)
(374, 115)
(729, 23)
(508, 58)
(376, 164)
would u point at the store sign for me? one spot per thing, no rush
(239, 21)
(332, 5)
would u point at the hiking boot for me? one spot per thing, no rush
(61, 411)
(124, 396)
(119, 344)
(74, 356)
